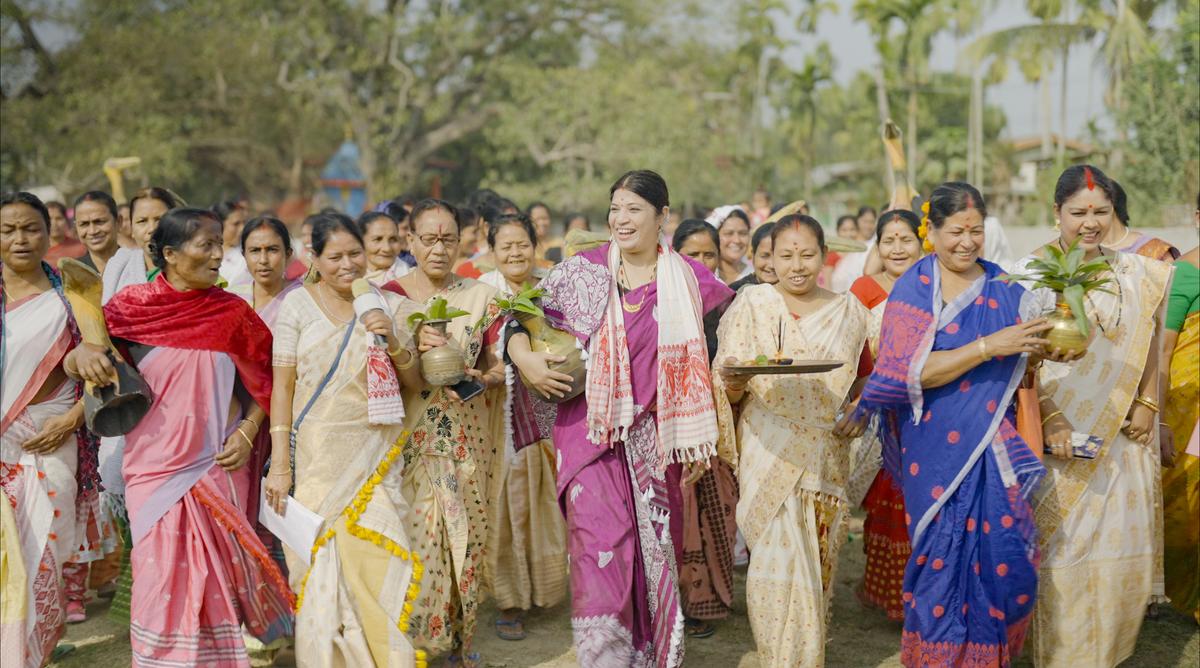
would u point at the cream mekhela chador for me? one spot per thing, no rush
(351, 600)
(527, 549)
(1100, 521)
(792, 470)
(448, 465)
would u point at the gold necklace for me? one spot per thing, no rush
(623, 277)
(321, 296)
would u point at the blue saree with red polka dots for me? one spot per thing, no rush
(971, 583)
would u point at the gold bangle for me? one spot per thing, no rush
(982, 345)
(251, 421)
(412, 359)
(1051, 417)
(281, 427)
(1148, 403)
(249, 441)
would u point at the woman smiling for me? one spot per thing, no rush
(636, 305)
(527, 540)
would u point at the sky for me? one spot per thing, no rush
(852, 48)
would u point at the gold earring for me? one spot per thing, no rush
(1056, 223)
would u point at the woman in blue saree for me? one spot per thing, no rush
(952, 351)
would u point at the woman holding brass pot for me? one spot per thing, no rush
(636, 306)
(527, 548)
(449, 459)
(1099, 518)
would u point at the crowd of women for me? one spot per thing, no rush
(631, 488)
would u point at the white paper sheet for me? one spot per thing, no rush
(297, 528)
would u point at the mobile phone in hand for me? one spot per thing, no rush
(467, 388)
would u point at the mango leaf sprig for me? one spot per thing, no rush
(1066, 273)
(438, 310)
(522, 302)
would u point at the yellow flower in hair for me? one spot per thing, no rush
(925, 208)
(927, 246)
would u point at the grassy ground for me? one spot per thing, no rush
(859, 638)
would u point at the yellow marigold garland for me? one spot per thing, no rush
(355, 510)
(923, 230)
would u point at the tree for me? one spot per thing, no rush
(920, 21)
(209, 125)
(422, 76)
(1162, 113)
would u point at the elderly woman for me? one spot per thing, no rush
(450, 461)
(952, 350)
(1099, 520)
(733, 228)
(129, 266)
(637, 307)
(527, 549)
(47, 458)
(381, 236)
(201, 570)
(885, 535)
(353, 592)
(790, 453)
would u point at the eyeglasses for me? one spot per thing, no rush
(431, 240)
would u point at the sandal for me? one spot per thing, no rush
(695, 628)
(471, 660)
(510, 629)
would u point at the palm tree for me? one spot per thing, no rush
(920, 21)
(1123, 28)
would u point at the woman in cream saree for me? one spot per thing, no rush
(792, 469)
(449, 461)
(353, 591)
(448, 468)
(527, 548)
(1100, 520)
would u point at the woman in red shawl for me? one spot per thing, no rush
(201, 572)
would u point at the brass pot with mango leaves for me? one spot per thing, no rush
(1069, 334)
(544, 338)
(444, 365)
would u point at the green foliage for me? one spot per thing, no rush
(522, 302)
(1163, 117)
(550, 99)
(437, 310)
(1068, 274)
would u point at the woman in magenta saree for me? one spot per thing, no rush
(636, 307)
(952, 351)
(200, 572)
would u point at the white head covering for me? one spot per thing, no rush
(720, 213)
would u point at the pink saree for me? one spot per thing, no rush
(199, 569)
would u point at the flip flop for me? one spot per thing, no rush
(695, 628)
(469, 661)
(61, 650)
(510, 629)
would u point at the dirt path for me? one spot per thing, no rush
(859, 638)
